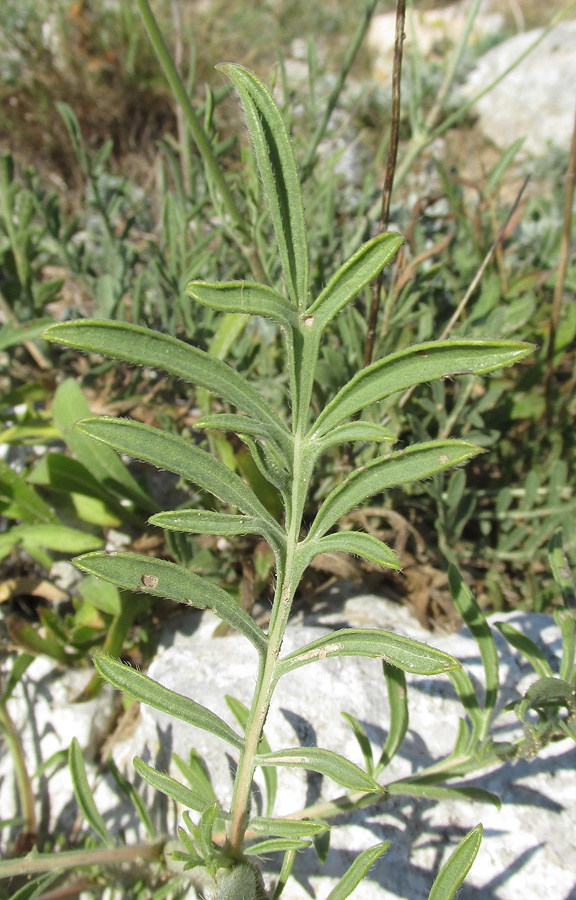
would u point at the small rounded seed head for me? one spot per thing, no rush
(238, 883)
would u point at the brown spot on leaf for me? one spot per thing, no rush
(149, 581)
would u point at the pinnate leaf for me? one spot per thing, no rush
(403, 652)
(357, 871)
(243, 297)
(173, 582)
(144, 689)
(84, 794)
(416, 365)
(145, 347)
(403, 467)
(174, 453)
(333, 765)
(355, 274)
(453, 873)
(279, 175)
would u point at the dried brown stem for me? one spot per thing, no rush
(390, 169)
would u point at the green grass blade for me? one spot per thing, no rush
(169, 786)
(84, 794)
(473, 616)
(129, 791)
(527, 648)
(355, 274)
(176, 454)
(145, 347)
(55, 537)
(357, 871)
(279, 174)
(416, 365)
(230, 422)
(333, 765)
(243, 297)
(413, 464)
(20, 500)
(144, 689)
(162, 578)
(197, 776)
(465, 690)
(453, 873)
(68, 407)
(200, 521)
(438, 792)
(399, 717)
(403, 652)
(363, 740)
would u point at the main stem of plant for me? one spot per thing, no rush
(301, 377)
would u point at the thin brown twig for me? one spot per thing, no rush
(390, 169)
(562, 266)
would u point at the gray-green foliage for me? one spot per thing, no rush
(286, 450)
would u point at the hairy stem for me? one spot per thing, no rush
(301, 347)
(23, 783)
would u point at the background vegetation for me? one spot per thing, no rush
(107, 210)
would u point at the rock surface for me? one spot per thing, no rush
(535, 99)
(528, 848)
(431, 29)
(528, 851)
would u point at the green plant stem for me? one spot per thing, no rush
(455, 59)
(23, 782)
(570, 184)
(7, 212)
(310, 158)
(301, 348)
(389, 178)
(201, 139)
(73, 859)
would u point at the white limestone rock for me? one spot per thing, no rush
(528, 848)
(536, 99)
(46, 719)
